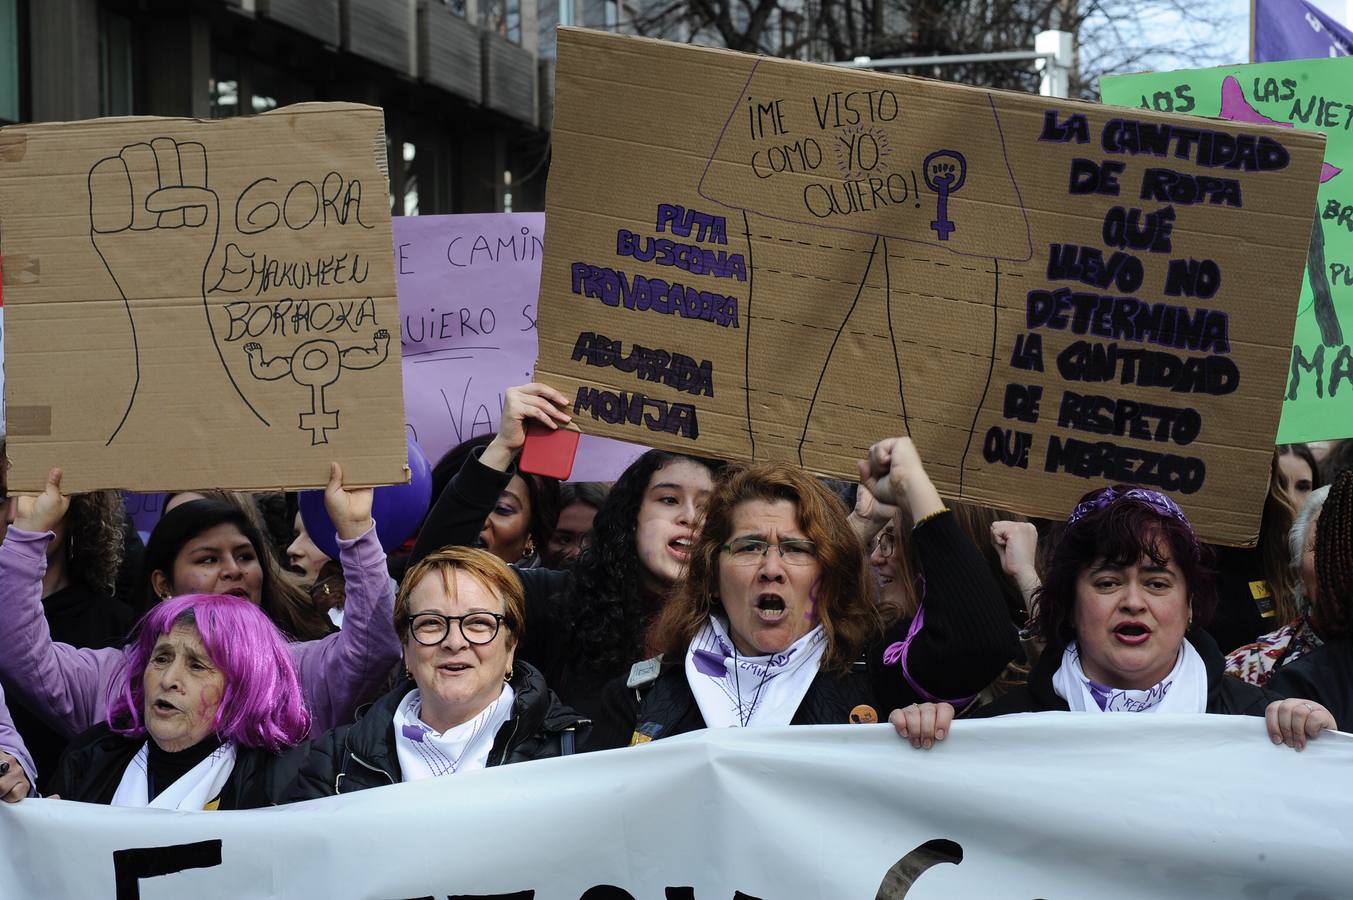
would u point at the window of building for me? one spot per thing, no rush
(225, 86)
(115, 64)
(10, 86)
(503, 17)
(410, 180)
(456, 6)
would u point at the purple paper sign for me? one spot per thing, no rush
(1296, 29)
(467, 303)
(145, 510)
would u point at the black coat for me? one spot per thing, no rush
(1324, 675)
(965, 644)
(92, 767)
(1225, 695)
(362, 755)
(666, 706)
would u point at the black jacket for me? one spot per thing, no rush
(965, 643)
(666, 706)
(1324, 675)
(362, 755)
(1225, 695)
(92, 767)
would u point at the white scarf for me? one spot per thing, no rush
(194, 790)
(1184, 690)
(733, 690)
(425, 753)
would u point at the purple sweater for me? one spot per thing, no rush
(68, 686)
(12, 743)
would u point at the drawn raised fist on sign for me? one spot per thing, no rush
(154, 222)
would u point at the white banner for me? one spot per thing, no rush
(1055, 806)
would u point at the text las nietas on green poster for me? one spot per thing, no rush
(1311, 95)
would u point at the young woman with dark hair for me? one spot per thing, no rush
(518, 526)
(1301, 470)
(587, 625)
(194, 521)
(200, 547)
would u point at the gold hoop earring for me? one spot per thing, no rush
(508, 677)
(529, 550)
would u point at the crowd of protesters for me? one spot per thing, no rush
(229, 663)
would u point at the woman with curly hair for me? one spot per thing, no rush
(78, 602)
(588, 625)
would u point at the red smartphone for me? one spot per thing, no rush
(547, 452)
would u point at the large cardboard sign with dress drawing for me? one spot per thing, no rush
(763, 259)
(201, 304)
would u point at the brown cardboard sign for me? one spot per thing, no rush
(203, 303)
(756, 258)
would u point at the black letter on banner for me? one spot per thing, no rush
(905, 871)
(130, 866)
(606, 892)
(515, 895)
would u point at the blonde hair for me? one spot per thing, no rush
(483, 567)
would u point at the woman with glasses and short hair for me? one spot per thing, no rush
(1123, 606)
(778, 606)
(464, 702)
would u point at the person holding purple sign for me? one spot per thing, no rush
(80, 604)
(200, 547)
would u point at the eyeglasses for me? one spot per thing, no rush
(430, 629)
(750, 551)
(885, 544)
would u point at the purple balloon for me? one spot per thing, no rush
(398, 508)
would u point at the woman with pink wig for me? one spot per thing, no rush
(204, 699)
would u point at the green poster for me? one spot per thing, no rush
(1311, 95)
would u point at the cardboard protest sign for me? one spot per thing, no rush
(764, 259)
(1304, 94)
(467, 303)
(201, 304)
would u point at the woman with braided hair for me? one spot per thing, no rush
(1325, 675)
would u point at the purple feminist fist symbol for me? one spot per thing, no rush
(944, 172)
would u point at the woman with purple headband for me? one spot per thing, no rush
(204, 700)
(1122, 609)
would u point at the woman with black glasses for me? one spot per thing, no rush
(464, 703)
